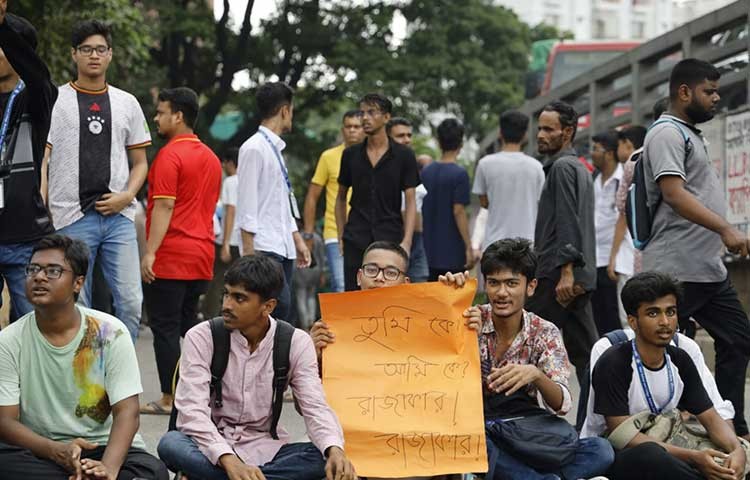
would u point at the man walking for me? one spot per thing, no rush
(267, 211)
(26, 97)
(446, 224)
(327, 176)
(564, 237)
(377, 170)
(97, 131)
(183, 187)
(689, 231)
(509, 184)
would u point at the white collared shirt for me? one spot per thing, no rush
(263, 196)
(606, 214)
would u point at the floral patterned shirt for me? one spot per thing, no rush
(538, 343)
(621, 198)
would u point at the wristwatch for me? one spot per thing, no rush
(306, 236)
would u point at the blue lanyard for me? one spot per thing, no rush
(644, 383)
(278, 157)
(8, 110)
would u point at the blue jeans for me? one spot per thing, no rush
(295, 461)
(418, 269)
(283, 310)
(13, 260)
(335, 266)
(593, 457)
(112, 237)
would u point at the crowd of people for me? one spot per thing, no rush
(564, 283)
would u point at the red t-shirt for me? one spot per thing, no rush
(186, 170)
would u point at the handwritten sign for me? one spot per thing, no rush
(738, 168)
(404, 379)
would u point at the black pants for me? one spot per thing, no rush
(352, 261)
(716, 307)
(650, 461)
(20, 464)
(172, 307)
(211, 306)
(575, 321)
(604, 303)
(436, 272)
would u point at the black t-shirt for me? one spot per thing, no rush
(376, 192)
(618, 387)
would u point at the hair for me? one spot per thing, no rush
(271, 96)
(23, 28)
(608, 140)
(691, 72)
(636, 134)
(450, 134)
(389, 246)
(568, 115)
(87, 28)
(661, 106)
(514, 254)
(395, 121)
(257, 274)
(231, 155)
(513, 126)
(648, 287)
(351, 114)
(378, 99)
(76, 252)
(182, 99)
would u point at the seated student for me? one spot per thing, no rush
(69, 381)
(384, 264)
(523, 352)
(648, 373)
(594, 424)
(234, 442)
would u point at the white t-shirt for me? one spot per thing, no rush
(605, 216)
(513, 183)
(228, 198)
(90, 135)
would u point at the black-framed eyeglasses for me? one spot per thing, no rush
(50, 271)
(371, 270)
(88, 50)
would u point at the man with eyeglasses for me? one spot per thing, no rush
(26, 97)
(384, 264)
(69, 381)
(377, 171)
(97, 132)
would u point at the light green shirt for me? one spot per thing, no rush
(68, 392)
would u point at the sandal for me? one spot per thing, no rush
(155, 408)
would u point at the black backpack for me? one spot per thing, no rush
(615, 337)
(639, 216)
(282, 344)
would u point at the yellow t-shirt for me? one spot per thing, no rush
(327, 175)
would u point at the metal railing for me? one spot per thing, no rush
(631, 83)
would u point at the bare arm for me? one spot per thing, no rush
(138, 172)
(248, 240)
(484, 201)
(410, 217)
(13, 432)
(462, 222)
(681, 453)
(341, 213)
(161, 215)
(125, 423)
(311, 201)
(229, 211)
(44, 185)
(687, 206)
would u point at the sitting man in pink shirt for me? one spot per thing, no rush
(234, 441)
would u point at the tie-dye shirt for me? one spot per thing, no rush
(68, 392)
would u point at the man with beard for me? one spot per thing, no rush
(183, 187)
(564, 237)
(689, 231)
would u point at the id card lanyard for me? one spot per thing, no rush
(292, 200)
(4, 132)
(644, 383)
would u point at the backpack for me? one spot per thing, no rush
(282, 344)
(615, 337)
(638, 214)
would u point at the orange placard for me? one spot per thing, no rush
(403, 376)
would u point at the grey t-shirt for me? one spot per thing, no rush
(687, 250)
(513, 182)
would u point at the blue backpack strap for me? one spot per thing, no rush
(616, 337)
(681, 128)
